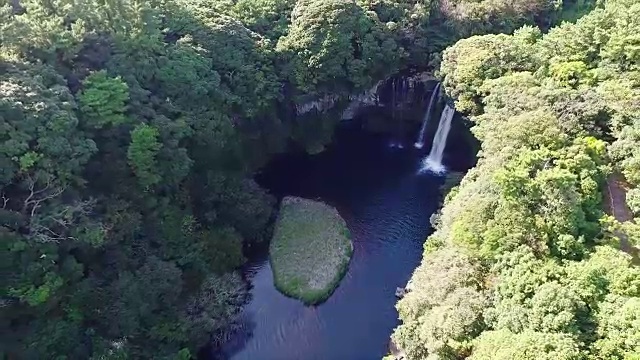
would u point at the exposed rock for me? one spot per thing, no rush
(321, 105)
(367, 98)
(403, 89)
(395, 352)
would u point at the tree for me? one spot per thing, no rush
(633, 200)
(240, 57)
(215, 307)
(618, 328)
(555, 113)
(42, 136)
(142, 153)
(103, 100)
(503, 344)
(98, 100)
(440, 314)
(478, 17)
(471, 61)
(270, 18)
(336, 39)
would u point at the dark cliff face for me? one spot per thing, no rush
(395, 106)
(402, 101)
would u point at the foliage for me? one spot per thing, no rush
(633, 200)
(130, 131)
(142, 154)
(408, 22)
(528, 345)
(242, 57)
(618, 327)
(103, 100)
(443, 307)
(556, 113)
(471, 61)
(348, 45)
(310, 250)
(469, 17)
(270, 18)
(110, 114)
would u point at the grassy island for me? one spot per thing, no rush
(310, 250)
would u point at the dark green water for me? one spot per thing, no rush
(387, 206)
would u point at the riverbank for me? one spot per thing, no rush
(310, 250)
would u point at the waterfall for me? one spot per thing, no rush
(434, 161)
(420, 141)
(393, 98)
(405, 89)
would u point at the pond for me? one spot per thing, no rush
(387, 205)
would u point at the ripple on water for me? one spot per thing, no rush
(388, 217)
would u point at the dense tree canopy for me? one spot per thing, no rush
(556, 114)
(130, 131)
(342, 51)
(114, 116)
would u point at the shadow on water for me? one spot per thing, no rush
(387, 208)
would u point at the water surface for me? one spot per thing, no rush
(387, 206)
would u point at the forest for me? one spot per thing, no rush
(525, 262)
(131, 131)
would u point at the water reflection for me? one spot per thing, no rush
(387, 209)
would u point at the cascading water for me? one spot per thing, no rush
(394, 89)
(393, 98)
(404, 97)
(420, 141)
(433, 162)
(403, 92)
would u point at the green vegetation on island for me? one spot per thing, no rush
(310, 250)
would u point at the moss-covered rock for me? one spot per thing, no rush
(310, 250)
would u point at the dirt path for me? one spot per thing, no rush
(616, 206)
(615, 197)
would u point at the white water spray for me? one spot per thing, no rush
(433, 162)
(425, 122)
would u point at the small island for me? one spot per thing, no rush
(310, 250)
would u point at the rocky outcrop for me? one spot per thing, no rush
(395, 91)
(395, 353)
(321, 105)
(367, 98)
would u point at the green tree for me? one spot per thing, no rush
(468, 17)
(555, 114)
(471, 61)
(633, 200)
(618, 328)
(142, 153)
(528, 345)
(270, 18)
(103, 100)
(441, 313)
(336, 39)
